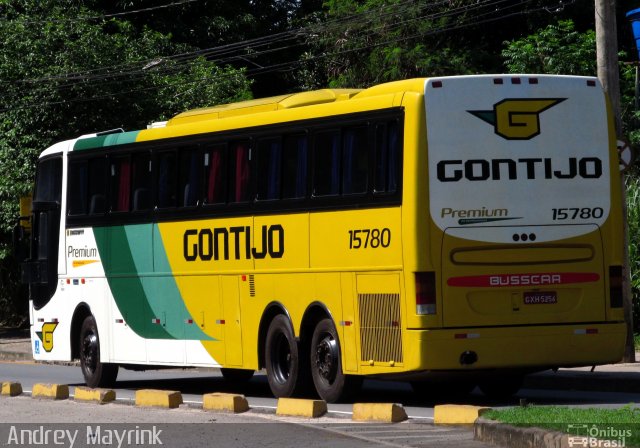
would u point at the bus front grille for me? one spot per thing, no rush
(380, 327)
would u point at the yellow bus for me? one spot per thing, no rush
(455, 229)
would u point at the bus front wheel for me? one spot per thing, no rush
(326, 365)
(284, 361)
(95, 372)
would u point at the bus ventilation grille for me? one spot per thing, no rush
(380, 327)
(252, 286)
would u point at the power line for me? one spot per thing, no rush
(104, 16)
(290, 65)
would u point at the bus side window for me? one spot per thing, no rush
(167, 179)
(294, 176)
(387, 157)
(269, 161)
(326, 174)
(355, 160)
(120, 184)
(77, 188)
(97, 186)
(190, 177)
(240, 172)
(141, 184)
(214, 164)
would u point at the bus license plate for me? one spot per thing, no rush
(540, 297)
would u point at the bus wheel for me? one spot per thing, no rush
(237, 375)
(326, 365)
(282, 359)
(501, 387)
(96, 373)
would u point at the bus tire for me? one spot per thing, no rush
(96, 373)
(285, 369)
(501, 387)
(236, 375)
(326, 365)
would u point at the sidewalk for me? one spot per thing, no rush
(15, 345)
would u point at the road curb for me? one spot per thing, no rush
(501, 434)
(15, 356)
(379, 412)
(158, 398)
(300, 407)
(218, 401)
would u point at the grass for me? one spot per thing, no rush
(604, 424)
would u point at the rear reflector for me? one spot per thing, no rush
(425, 293)
(615, 286)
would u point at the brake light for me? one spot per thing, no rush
(615, 286)
(425, 293)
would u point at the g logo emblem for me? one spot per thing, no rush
(46, 335)
(517, 119)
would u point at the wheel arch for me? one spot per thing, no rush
(81, 312)
(272, 310)
(314, 313)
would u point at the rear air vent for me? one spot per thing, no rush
(380, 327)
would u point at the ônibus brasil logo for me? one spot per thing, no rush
(517, 119)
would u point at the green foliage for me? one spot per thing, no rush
(604, 424)
(633, 216)
(63, 77)
(358, 44)
(555, 49)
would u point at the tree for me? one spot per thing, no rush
(64, 75)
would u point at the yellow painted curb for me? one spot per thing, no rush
(100, 396)
(11, 389)
(379, 412)
(457, 414)
(225, 402)
(298, 407)
(158, 398)
(55, 391)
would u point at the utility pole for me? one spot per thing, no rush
(608, 73)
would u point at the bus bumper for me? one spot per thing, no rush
(529, 348)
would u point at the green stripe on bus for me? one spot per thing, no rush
(126, 288)
(105, 140)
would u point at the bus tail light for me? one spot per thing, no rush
(615, 286)
(425, 293)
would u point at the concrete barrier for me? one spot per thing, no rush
(379, 412)
(53, 391)
(457, 414)
(158, 398)
(297, 407)
(11, 389)
(100, 396)
(225, 402)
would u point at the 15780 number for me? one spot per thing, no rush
(560, 214)
(365, 238)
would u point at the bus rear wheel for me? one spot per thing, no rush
(326, 365)
(95, 372)
(286, 372)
